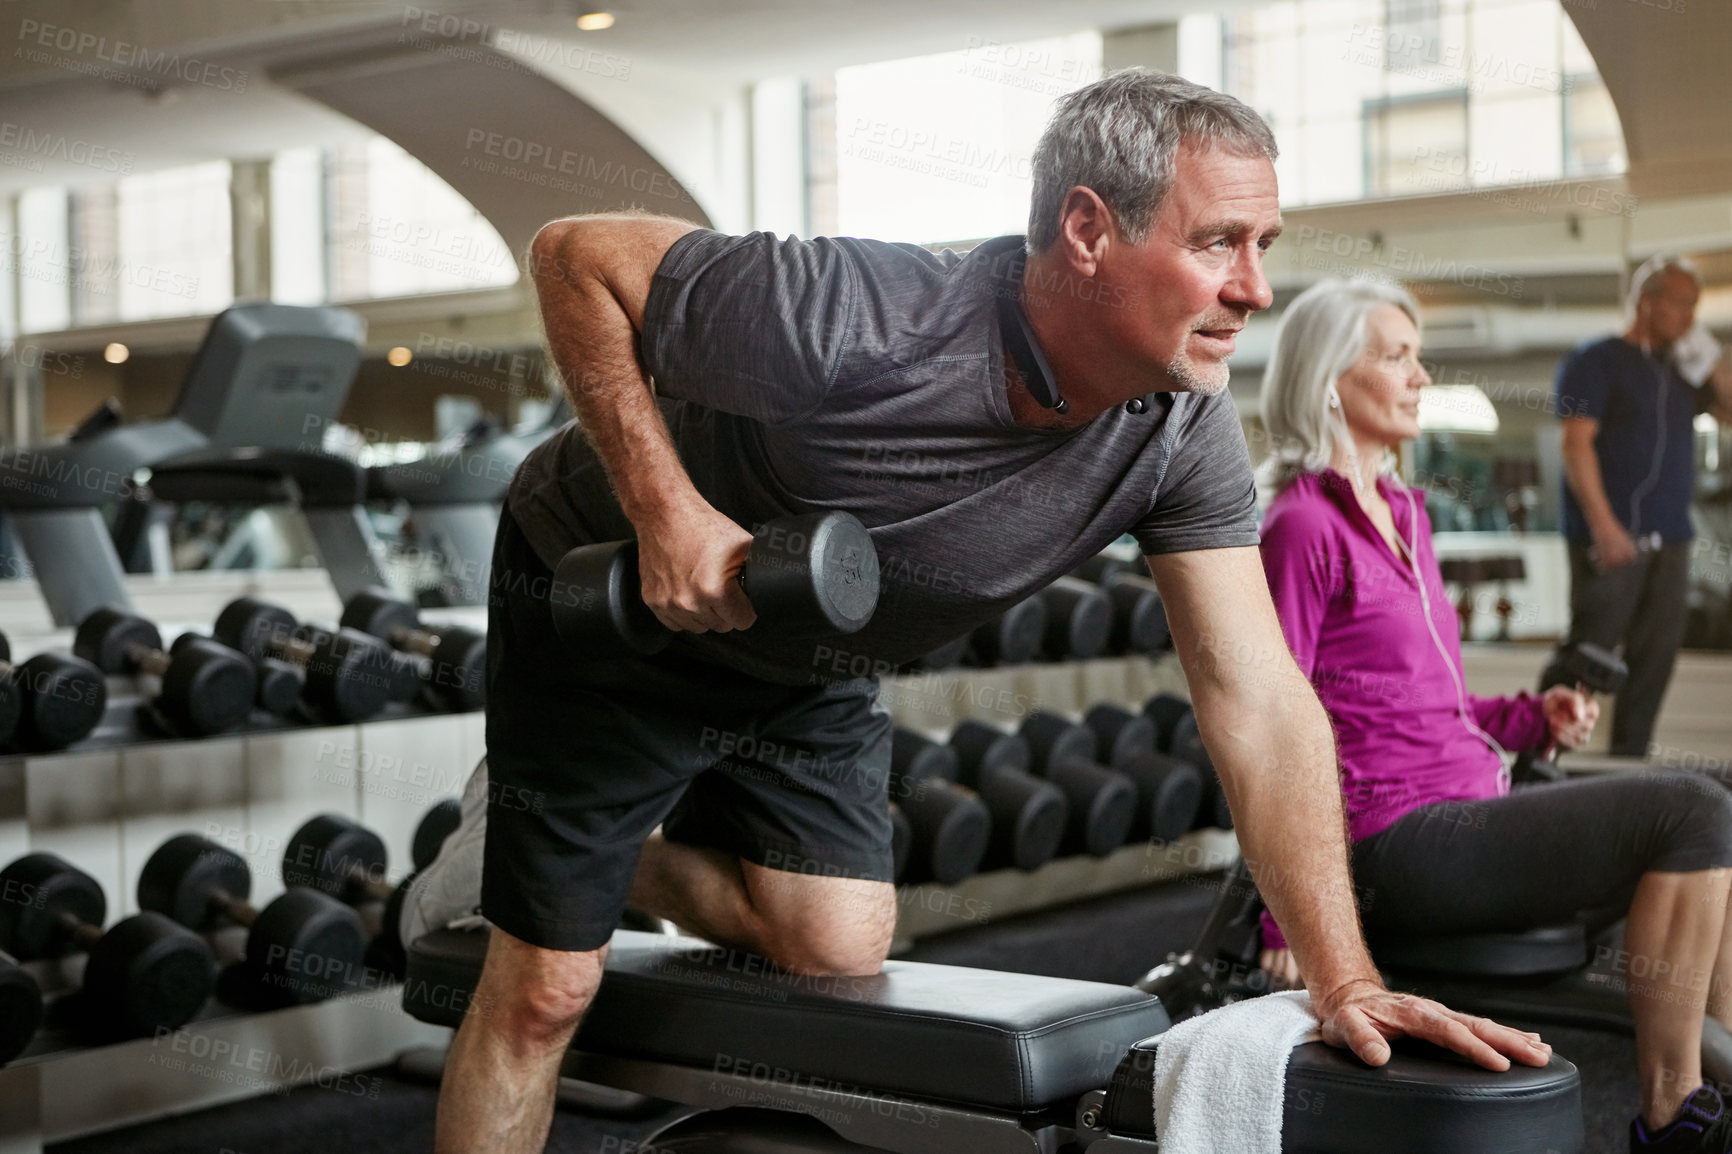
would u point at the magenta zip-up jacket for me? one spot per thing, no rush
(1354, 617)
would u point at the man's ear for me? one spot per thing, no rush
(1085, 229)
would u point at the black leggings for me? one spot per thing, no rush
(1540, 856)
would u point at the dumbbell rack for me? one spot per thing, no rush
(210, 1061)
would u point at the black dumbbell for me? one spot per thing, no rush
(945, 655)
(145, 974)
(1139, 617)
(337, 856)
(456, 671)
(901, 842)
(204, 688)
(1169, 790)
(1012, 637)
(1177, 735)
(49, 701)
(1103, 802)
(1028, 813)
(278, 683)
(304, 947)
(1079, 620)
(347, 675)
(1103, 566)
(20, 1008)
(950, 825)
(815, 570)
(438, 823)
(386, 951)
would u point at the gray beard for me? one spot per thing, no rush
(1190, 378)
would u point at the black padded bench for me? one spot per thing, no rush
(929, 1059)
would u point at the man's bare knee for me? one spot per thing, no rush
(834, 927)
(540, 995)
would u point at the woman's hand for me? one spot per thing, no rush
(1282, 966)
(1570, 715)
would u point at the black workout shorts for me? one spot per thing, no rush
(587, 757)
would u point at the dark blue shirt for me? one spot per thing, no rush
(1645, 441)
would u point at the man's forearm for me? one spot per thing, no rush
(594, 341)
(1272, 743)
(1582, 473)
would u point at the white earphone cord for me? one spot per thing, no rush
(1503, 775)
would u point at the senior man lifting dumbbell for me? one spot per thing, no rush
(722, 383)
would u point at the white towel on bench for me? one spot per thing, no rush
(1220, 1078)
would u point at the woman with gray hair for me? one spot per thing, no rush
(1438, 837)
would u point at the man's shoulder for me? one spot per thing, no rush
(1605, 351)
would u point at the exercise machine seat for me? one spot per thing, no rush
(1526, 953)
(1424, 1100)
(981, 1038)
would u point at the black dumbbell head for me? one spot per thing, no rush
(1052, 739)
(20, 1009)
(251, 625)
(597, 603)
(307, 946)
(437, 824)
(63, 700)
(1104, 566)
(1594, 668)
(179, 879)
(208, 688)
(951, 827)
(404, 671)
(1079, 620)
(279, 686)
(1029, 815)
(106, 634)
(983, 750)
(148, 974)
(39, 890)
(1187, 744)
(1102, 803)
(1139, 617)
(1165, 710)
(1119, 733)
(328, 851)
(817, 570)
(901, 842)
(1014, 636)
(946, 655)
(457, 679)
(349, 675)
(379, 612)
(1169, 795)
(11, 701)
(915, 757)
(386, 952)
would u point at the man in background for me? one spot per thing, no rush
(1628, 406)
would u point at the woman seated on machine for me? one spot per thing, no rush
(1440, 844)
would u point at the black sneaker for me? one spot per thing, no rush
(1703, 1126)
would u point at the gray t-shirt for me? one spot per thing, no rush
(838, 373)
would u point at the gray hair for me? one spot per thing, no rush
(1118, 136)
(1322, 333)
(1648, 278)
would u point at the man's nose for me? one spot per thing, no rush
(1248, 287)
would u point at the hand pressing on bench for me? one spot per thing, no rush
(1363, 1016)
